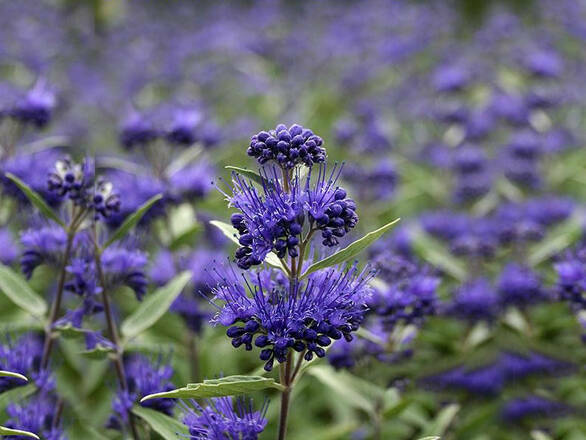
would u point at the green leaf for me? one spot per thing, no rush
(435, 253)
(99, 352)
(342, 383)
(255, 177)
(8, 431)
(556, 240)
(14, 375)
(184, 159)
(15, 394)
(350, 251)
(433, 437)
(167, 427)
(227, 386)
(154, 306)
(132, 220)
(443, 420)
(230, 232)
(36, 199)
(18, 291)
(69, 331)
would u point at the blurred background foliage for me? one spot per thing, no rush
(402, 92)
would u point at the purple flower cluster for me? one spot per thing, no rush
(287, 146)
(144, 377)
(222, 419)
(37, 415)
(23, 356)
(490, 380)
(281, 315)
(274, 219)
(571, 272)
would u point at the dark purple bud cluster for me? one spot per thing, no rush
(105, 201)
(68, 178)
(287, 146)
(337, 218)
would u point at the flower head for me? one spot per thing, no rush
(23, 356)
(520, 286)
(221, 419)
(36, 107)
(287, 146)
(475, 300)
(124, 266)
(42, 246)
(279, 315)
(37, 415)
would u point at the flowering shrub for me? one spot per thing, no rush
(172, 266)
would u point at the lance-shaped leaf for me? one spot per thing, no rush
(99, 352)
(36, 199)
(132, 220)
(16, 394)
(559, 238)
(230, 232)
(12, 374)
(19, 292)
(226, 386)
(351, 250)
(443, 420)
(255, 177)
(433, 251)
(167, 427)
(15, 432)
(154, 306)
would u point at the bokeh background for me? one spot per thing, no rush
(464, 118)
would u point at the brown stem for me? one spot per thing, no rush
(56, 306)
(285, 376)
(113, 334)
(298, 366)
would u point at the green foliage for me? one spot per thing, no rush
(154, 306)
(18, 291)
(15, 394)
(132, 220)
(167, 427)
(350, 251)
(11, 374)
(36, 199)
(8, 431)
(226, 386)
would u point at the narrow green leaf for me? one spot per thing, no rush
(227, 386)
(132, 220)
(255, 177)
(184, 159)
(18, 291)
(230, 232)
(351, 250)
(435, 253)
(167, 427)
(8, 431)
(16, 394)
(433, 437)
(36, 199)
(558, 239)
(443, 420)
(154, 306)
(67, 330)
(98, 353)
(14, 375)
(342, 384)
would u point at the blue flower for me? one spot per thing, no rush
(32, 169)
(36, 107)
(144, 377)
(475, 300)
(36, 415)
(536, 407)
(544, 63)
(137, 129)
(183, 130)
(221, 419)
(274, 220)
(287, 146)
(278, 316)
(8, 248)
(193, 181)
(124, 266)
(24, 356)
(571, 272)
(520, 286)
(42, 246)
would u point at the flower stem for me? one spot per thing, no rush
(285, 376)
(56, 306)
(113, 334)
